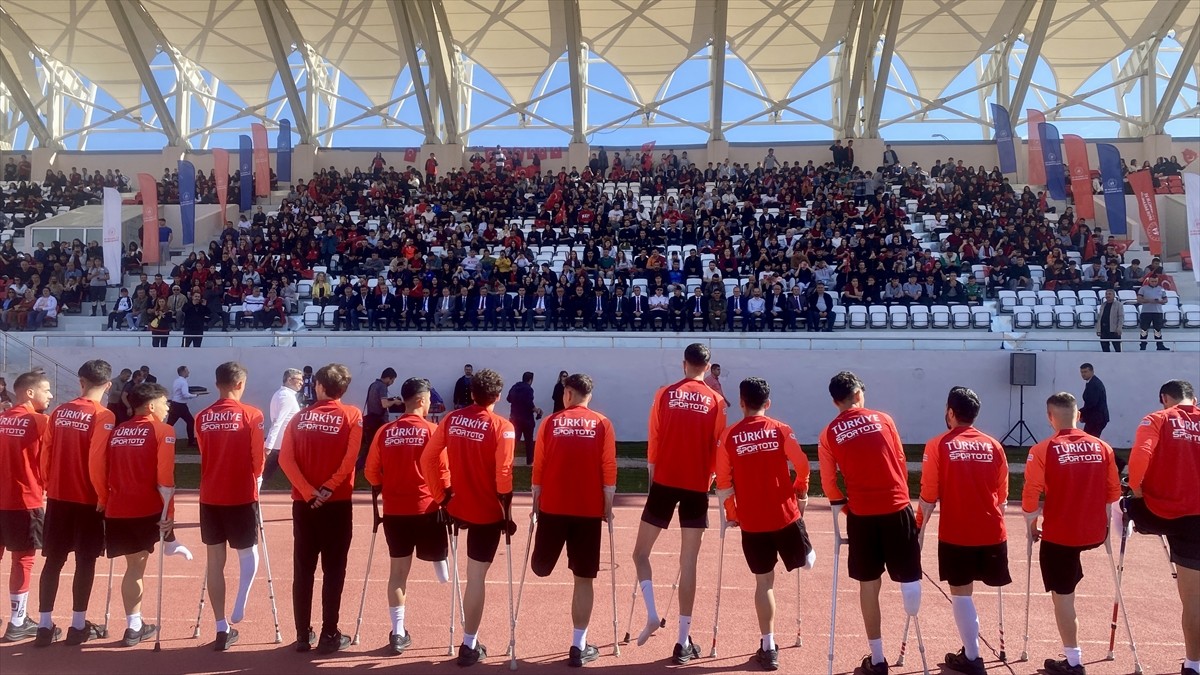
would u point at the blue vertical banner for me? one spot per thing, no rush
(187, 201)
(283, 153)
(1052, 155)
(1113, 183)
(1002, 125)
(246, 167)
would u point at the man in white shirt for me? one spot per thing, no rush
(253, 304)
(285, 402)
(756, 307)
(177, 406)
(45, 307)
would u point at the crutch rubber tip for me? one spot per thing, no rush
(157, 647)
(662, 623)
(625, 640)
(1024, 656)
(1110, 657)
(799, 641)
(900, 661)
(1004, 657)
(196, 633)
(512, 665)
(278, 639)
(354, 641)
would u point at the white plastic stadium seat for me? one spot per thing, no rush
(857, 317)
(1027, 298)
(1064, 317)
(1172, 317)
(1089, 298)
(941, 316)
(1043, 316)
(1131, 317)
(839, 317)
(1127, 296)
(1023, 318)
(310, 315)
(879, 316)
(1191, 316)
(1067, 298)
(981, 317)
(1008, 300)
(919, 316)
(1047, 298)
(960, 316)
(1085, 316)
(898, 316)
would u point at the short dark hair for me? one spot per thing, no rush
(964, 403)
(388, 372)
(178, 371)
(1178, 390)
(1063, 400)
(95, 372)
(697, 354)
(527, 377)
(1086, 366)
(230, 373)
(486, 386)
(29, 380)
(146, 392)
(413, 387)
(755, 392)
(579, 383)
(334, 378)
(843, 385)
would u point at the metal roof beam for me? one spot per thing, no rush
(275, 40)
(137, 55)
(717, 70)
(893, 9)
(578, 67)
(443, 64)
(28, 110)
(1187, 59)
(1033, 51)
(997, 71)
(863, 49)
(402, 19)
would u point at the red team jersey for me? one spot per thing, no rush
(319, 449)
(864, 446)
(576, 459)
(686, 421)
(230, 437)
(966, 469)
(475, 445)
(394, 462)
(79, 432)
(1078, 474)
(139, 459)
(23, 441)
(753, 459)
(1165, 461)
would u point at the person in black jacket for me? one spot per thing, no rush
(462, 389)
(196, 316)
(820, 310)
(522, 413)
(558, 391)
(1094, 412)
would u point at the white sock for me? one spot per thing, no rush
(441, 570)
(968, 624)
(1194, 665)
(1074, 655)
(685, 627)
(768, 642)
(45, 620)
(19, 602)
(876, 651)
(78, 620)
(222, 626)
(397, 615)
(134, 621)
(469, 640)
(579, 638)
(810, 560)
(247, 569)
(910, 591)
(176, 548)
(647, 586)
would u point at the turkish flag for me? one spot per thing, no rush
(410, 154)
(647, 147)
(1189, 156)
(556, 153)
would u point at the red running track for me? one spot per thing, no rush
(544, 630)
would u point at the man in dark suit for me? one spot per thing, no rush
(797, 308)
(735, 309)
(777, 308)
(462, 308)
(1094, 411)
(518, 311)
(446, 311)
(680, 312)
(598, 310)
(697, 309)
(380, 308)
(402, 308)
(639, 309)
(541, 306)
(423, 309)
(462, 388)
(619, 310)
(560, 310)
(820, 310)
(578, 306)
(522, 413)
(480, 311)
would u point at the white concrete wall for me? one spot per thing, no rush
(911, 386)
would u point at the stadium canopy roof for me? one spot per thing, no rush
(294, 56)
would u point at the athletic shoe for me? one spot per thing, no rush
(1184, 670)
(1062, 667)
(225, 640)
(868, 668)
(962, 664)
(578, 657)
(332, 642)
(90, 631)
(25, 631)
(767, 660)
(684, 654)
(398, 643)
(135, 637)
(305, 643)
(1164, 348)
(469, 657)
(46, 636)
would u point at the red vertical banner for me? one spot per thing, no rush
(1143, 190)
(410, 155)
(262, 161)
(556, 153)
(149, 188)
(221, 171)
(1081, 176)
(1037, 164)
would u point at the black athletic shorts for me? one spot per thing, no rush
(661, 502)
(580, 535)
(1061, 569)
(21, 530)
(888, 540)
(422, 533)
(236, 524)
(482, 540)
(1183, 534)
(789, 544)
(72, 527)
(961, 565)
(125, 536)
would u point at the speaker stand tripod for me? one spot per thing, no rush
(1020, 430)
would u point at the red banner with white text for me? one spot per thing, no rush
(221, 171)
(149, 188)
(1081, 176)
(1037, 164)
(1143, 191)
(262, 161)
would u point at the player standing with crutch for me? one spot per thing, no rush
(755, 486)
(1164, 467)
(574, 481)
(1078, 476)
(410, 515)
(967, 471)
(473, 449)
(864, 446)
(231, 440)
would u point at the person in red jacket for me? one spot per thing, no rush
(319, 449)
(686, 421)
(1164, 468)
(881, 529)
(23, 441)
(967, 471)
(768, 505)
(1078, 476)
(79, 431)
(468, 468)
(135, 477)
(574, 481)
(410, 515)
(229, 435)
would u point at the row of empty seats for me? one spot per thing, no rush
(1085, 316)
(1010, 300)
